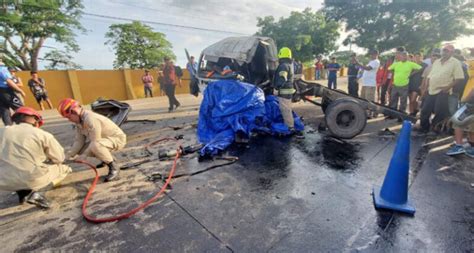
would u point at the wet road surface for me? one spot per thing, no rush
(282, 195)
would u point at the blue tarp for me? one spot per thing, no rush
(231, 106)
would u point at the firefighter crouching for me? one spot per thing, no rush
(31, 159)
(96, 136)
(283, 83)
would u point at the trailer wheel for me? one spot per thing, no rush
(324, 104)
(345, 118)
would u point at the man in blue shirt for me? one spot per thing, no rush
(191, 66)
(333, 69)
(8, 98)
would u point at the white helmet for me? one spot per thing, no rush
(464, 116)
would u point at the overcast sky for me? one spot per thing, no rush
(236, 17)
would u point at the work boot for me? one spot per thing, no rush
(22, 194)
(38, 200)
(113, 173)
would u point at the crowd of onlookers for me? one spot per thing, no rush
(12, 95)
(433, 88)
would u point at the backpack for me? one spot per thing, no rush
(178, 71)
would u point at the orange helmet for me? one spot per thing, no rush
(66, 105)
(30, 112)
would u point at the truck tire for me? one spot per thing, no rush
(345, 118)
(324, 104)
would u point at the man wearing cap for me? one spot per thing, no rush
(8, 98)
(31, 159)
(96, 136)
(444, 75)
(18, 82)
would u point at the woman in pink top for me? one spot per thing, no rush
(147, 80)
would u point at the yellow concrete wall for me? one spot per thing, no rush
(57, 85)
(310, 72)
(88, 85)
(92, 84)
(138, 86)
(108, 84)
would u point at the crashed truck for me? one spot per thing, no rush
(253, 59)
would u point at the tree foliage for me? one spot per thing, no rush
(137, 46)
(306, 33)
(60, 60)
(26, 25)
(416, 24)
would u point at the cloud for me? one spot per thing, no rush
(225, 15)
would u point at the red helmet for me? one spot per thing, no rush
(30, 112)
(66, 105)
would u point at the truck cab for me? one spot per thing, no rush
(251, 59)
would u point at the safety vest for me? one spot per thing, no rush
(283, 80)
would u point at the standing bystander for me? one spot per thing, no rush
(37, 86)
(147, 80)
(387, 82)
(369, 77)
(353, 69)
(191, 66)
(169, 84)
(444, 75)
(18, 82)
(333, 69)
(8, 98)
(414, 85)
(318, 68)
(402, 69)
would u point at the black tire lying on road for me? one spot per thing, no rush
(345, 118)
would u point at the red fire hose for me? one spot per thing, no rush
(135, 210)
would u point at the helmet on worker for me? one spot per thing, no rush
(284, 52)
(28, 111)
(66, 106)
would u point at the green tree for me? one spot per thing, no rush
(417, 25)
(137, 46)
(306, 33)
(26, 25)
(60, 60)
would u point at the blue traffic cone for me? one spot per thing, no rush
(394, 192)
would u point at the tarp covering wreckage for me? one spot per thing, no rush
(231, 107)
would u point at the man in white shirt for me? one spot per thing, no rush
(369, 77)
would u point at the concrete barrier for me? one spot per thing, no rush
(88, 85)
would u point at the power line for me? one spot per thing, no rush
(163, 24)
(164, 12)
(161, 29)
(143, 21)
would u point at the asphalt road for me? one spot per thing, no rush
(282, 195)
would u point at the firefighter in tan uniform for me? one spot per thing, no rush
(31, 159)
(96, 136)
